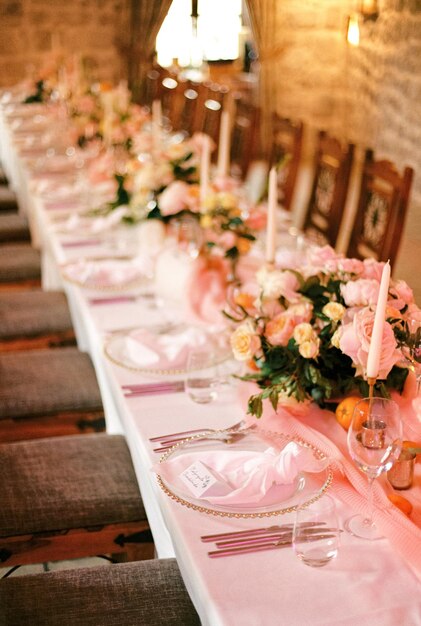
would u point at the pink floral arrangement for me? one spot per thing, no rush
(305, 332)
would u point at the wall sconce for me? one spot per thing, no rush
(367, 10)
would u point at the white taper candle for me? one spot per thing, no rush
(271, 216)
(156, 124)
(224, 145)
(204, 168)
(374, 351)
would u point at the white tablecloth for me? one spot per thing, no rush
(368, 583)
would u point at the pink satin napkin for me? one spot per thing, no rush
(252, 476)
(166, 351)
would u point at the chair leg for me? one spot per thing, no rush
(66, 338)
(39, 427)
(34, 283)
(72, 544)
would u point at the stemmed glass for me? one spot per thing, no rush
(374, 443)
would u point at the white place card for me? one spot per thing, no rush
(202, 481)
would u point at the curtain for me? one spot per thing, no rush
(146, 17)
(265, 18)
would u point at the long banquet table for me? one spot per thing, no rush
(368, 583)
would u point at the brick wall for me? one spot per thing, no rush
(370, 94)
(88, 27)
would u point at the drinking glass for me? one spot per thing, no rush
(316, 533)
(374, 443)
(188, 235)
(202, 376)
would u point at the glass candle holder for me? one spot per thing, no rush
(401, 474)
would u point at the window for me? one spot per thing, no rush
(218, 33)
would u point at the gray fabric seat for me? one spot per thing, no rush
(33, 313)
(67, 482)
(45, 382)
(8, 200)
(19, 262)
(13, 227)
(148, 593)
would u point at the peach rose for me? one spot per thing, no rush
(309, 349)
(280, 329)
(355, 342)
(303, 332)
(334, 311)
(245, 343)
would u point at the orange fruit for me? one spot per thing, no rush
(413, 444)
(252, 365)
(345, 409)
(402, 503)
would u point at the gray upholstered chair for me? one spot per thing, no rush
(34, 319)
(13, 227)
(7, 198)
(148, 593)
(69, 497)
(45, 393)
(20, 266)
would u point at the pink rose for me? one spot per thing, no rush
(322, 258)
(86, 104)
(351, 266)
(403, 294)
(197, 142)
(355, 342)
(372, 269)
(174, 198)
(360, 292)
(225, 183)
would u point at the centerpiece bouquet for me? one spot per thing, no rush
(305, 331)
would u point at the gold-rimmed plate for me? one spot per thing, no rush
(278, 500)
(121, 348)
(105, 273)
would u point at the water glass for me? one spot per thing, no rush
(316, 534)
(202, 376)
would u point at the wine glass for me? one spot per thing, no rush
(412, 349)
(374, 443)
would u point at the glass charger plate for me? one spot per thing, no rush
(280, 499)
(92, 273)
(116, 350)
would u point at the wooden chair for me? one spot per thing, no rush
(381, 210)
(287, 138)
(244, 136)
(333, 164)
(48, 393)
(171, 93)
(32, 319)
(191, 97)
(209, 108)
(147, 593)
(68, 497)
